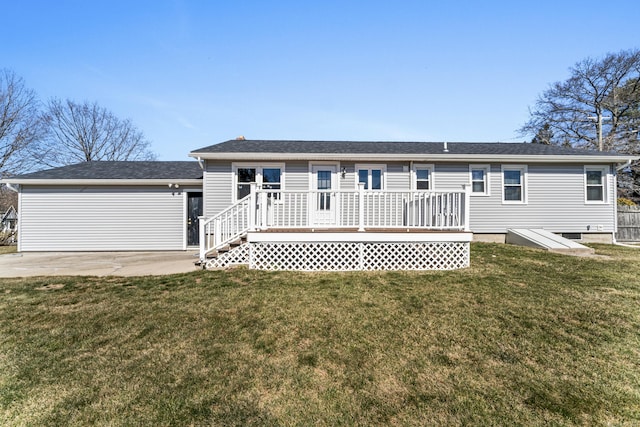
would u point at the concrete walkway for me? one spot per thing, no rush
(29, 264)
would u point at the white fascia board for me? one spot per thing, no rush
(163, 182)
(478, 158)
(402, 236)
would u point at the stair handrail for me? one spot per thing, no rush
(226, 226)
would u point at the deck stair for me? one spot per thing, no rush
(233, 254)
(543, 239)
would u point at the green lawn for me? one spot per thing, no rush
(523, 337)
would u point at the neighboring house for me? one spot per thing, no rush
(8, 220)
(322, 205)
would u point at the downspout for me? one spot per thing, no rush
(200, 162)
(12, 188)
(627, 164)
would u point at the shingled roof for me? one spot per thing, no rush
(394, 148)
(131, 170)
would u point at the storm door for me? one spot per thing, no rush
(324, 199)
(194, 211)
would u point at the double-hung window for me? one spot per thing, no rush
(372, 176)
(479, 175)
(423, 177)
(595, 181)
(267, 176)
(514, 184)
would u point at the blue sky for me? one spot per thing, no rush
(193, 73)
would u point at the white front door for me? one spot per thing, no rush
(324, 199)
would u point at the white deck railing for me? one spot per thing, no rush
(226, 227)
(359, 209)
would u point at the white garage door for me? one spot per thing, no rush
(101, 219)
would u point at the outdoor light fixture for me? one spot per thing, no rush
(343, 171)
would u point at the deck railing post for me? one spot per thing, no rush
(202, 236)
(263, 209)
(217, 232)
(252, 206)
(467, 202)
(361, 206)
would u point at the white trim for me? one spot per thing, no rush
(414, 176)
(382, 167)
(19, 227)
(322, 163)
(605, 185)
(387, 157)
(487, 179)
(259, 167)
(359, 237)
(524, 173)
(162, 182)
(185, 214)
(335, 181)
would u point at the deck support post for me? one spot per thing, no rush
(360, 206)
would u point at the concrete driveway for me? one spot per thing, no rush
(30, 264)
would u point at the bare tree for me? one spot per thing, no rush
(596, 108)
(88, 132)
(21, 125)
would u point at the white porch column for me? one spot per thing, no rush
(360, 206)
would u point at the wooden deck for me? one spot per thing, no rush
(355, 230)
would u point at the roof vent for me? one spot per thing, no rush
(240, 138)
(446, 149)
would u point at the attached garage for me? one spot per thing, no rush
(110, 206)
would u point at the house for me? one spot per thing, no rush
(323, 205)
(8, 221)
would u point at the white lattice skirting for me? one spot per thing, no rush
(351, 256)
(236, 256)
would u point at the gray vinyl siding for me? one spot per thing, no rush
(556, 202)
(555, 194)
(397, 177)
(217, 187)
(101, 219)
(296, 176)
(451, 177)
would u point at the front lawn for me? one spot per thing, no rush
(523, 337)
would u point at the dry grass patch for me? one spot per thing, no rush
(522, 337)
(9, 249)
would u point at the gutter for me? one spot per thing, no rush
(163, 182)
(446, 157)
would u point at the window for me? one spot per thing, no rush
(479, 175)
(372, 176)
(514, 184)
(595, 184)
(423, 177)
(268, 176)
